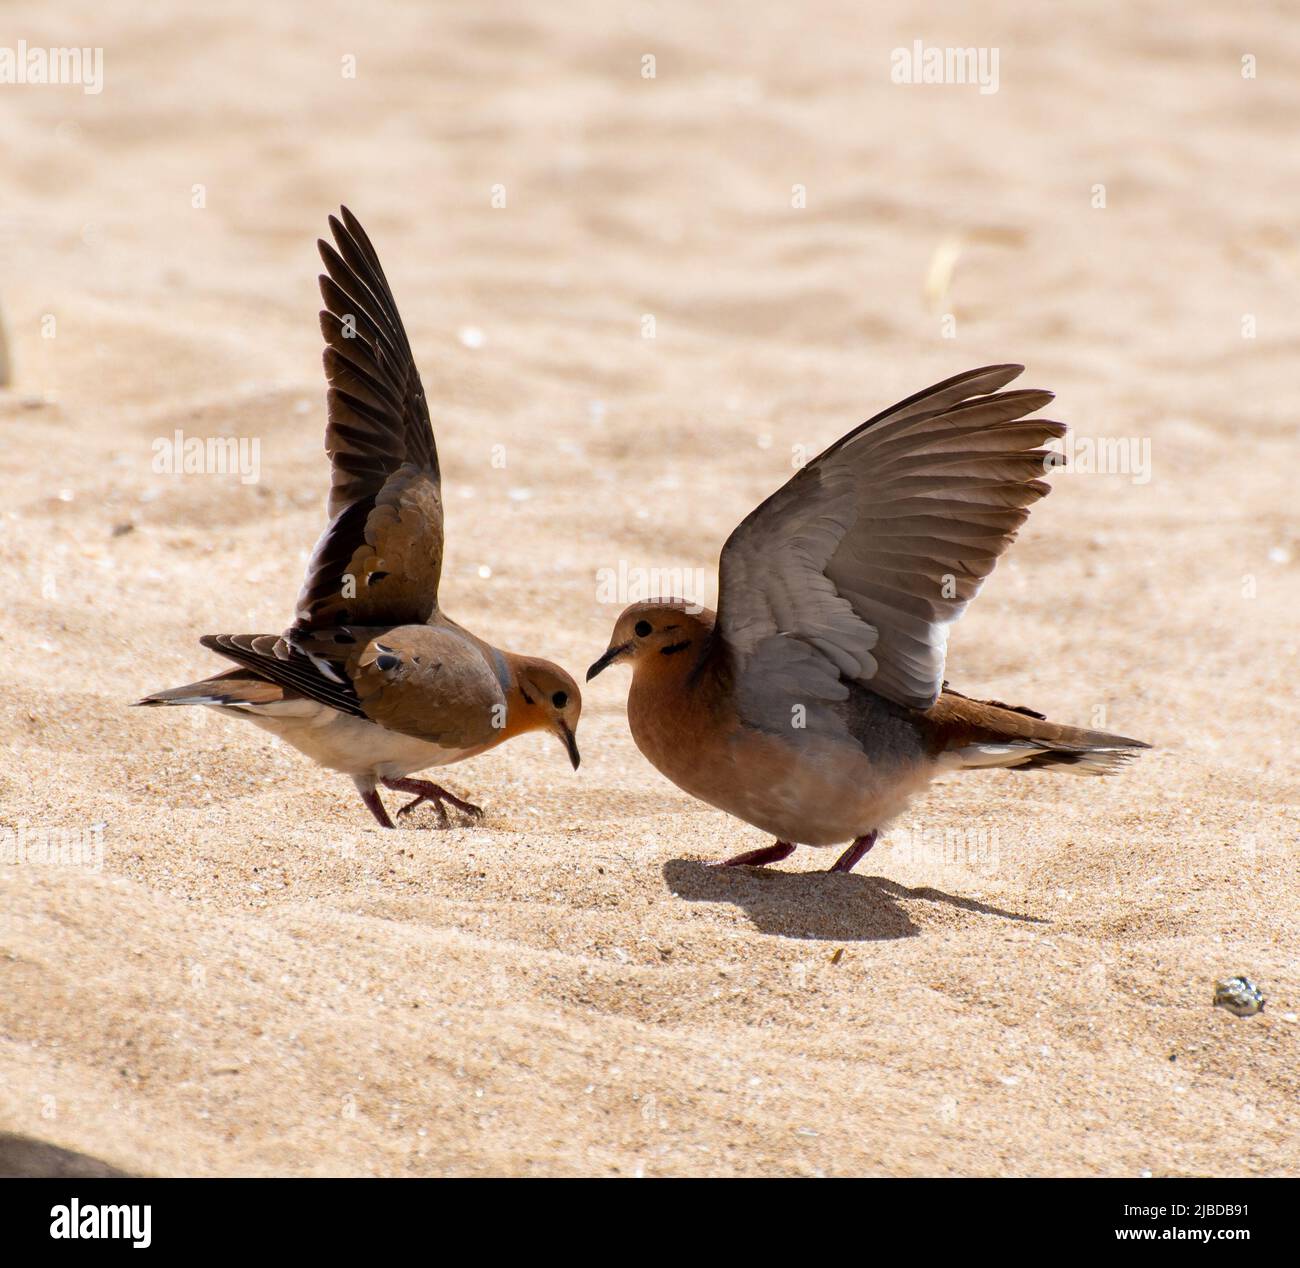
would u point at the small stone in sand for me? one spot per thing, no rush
(1239, 995)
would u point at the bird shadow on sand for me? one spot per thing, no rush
(817, 905)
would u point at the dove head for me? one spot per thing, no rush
(546, 699)
(652, 636)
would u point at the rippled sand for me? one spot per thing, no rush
(1019, 979)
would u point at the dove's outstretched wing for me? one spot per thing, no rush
(379, 560)
(854, 570)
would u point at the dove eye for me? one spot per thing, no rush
(559, 699)
(642, 629)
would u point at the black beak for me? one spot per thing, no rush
(571, 743)
(607, 660)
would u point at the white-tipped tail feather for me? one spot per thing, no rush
(1089, 761)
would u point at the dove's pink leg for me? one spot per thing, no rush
(424, 790)
(756, 858)
(849, 859)
(376, 807)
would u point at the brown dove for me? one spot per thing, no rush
(372, 678)
(813, 703)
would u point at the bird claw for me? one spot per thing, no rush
(467, 808)
(439, 797)
(443, 819)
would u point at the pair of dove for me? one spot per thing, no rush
(811, 705)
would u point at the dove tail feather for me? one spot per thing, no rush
(978, 734)
(235, 688)
(1022, 755)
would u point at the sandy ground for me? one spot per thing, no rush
(1018, 981)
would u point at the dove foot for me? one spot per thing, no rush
(757, 858)
(375, 806)
(849, 859)
(424, 791)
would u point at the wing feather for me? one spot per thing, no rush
(379, 560)
(855, 569)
